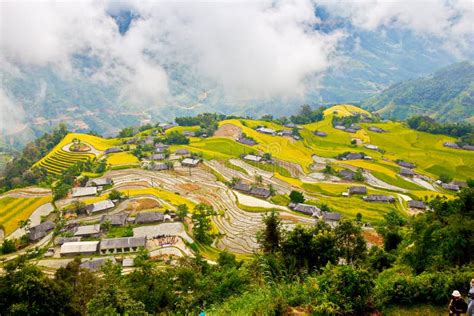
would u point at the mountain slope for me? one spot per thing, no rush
(447, 95)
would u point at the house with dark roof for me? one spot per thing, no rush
(307, 209)
(114, 220)
(379, 198)
(376, 129)
(242, 187)
(320, 134)
(468, 147)
(157, 157)
(99, 206)
(350, 130)
(99, 182)
(39, 231)
(406, 172)
(95, 264)
(149, 217)
(331, 218)
(260, 192)
(62, 240)
(358, 190)
(346, 174)
(121, 245)
(405, 164)
(88, 231)
(353, 156)
(355, 127)
(182, 152)
(246, 141)
(158, 166)
(450, 186)
(451, 145)
(417, 204)
(113, 150)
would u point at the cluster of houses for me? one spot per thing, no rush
(362, 190)
(260, 192)
(376, 129)
(246, 141)
(285, 132)
(354, 156)
(104, 246)
(320, 134)
(331, 218)
(351, 129)
(453, 145)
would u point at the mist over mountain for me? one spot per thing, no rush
(155, 62)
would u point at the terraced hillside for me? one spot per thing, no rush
(15, 209)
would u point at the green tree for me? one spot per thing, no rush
(202, 223)
(296, 197)
(61, 191)
(359, 176)
(350, 241)
(8, 246)
(269, 238)
(182, 211)
(115, 195)
(445, 178)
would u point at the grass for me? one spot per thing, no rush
(418, 310)
(344, 110)
(122, 158)
(14, 210)
(256, 209)
(271, 168)
(280, 199)
(230, 165)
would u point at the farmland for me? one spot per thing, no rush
(13, 210)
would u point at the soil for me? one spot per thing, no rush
(189, 187)
(143, 204)
(228, 130)
(372, 237)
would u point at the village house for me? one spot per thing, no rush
(417, 205)
(99, 182)
(242, 187)
(166, 126)
(371, 147)
(260, 192)
(320, 134)
(86, 191)
(405, 164)
(121, 245)
(353, 156)
(58, 241)
(450, 186)
(189, 162)
(340, 127)
(346, 174)
(158, 166)
(379, 198)
(406, 172)
(307, 209)
(182, 152)
(94, 265)
(331, 218)
(157, 157)
(39, 231)
(468, 147)
(149, 217)
(79, 248)
(358, 190)
(149, 141)
(99, 206)
(451, 145)
(114, 220)
(350, 130)
(246, 141)
(285, 132)
(113, 150)
(290, 125)
(88, 231)
(376, 129)
(188, 133)
(253, 158)
(265, 130)
(355, 127)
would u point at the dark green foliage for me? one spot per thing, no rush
(207, 121)
(202, 223)
(115, 195)
(177, 138)
(307, 115)
(445, 178)
(350, 241)
(379, 260)
(127, 132)
(392, 240)
(296, 197)
(182, 211)
(8, 246)
(429, 125)
(358, 176)
(270, 237)
(61, 191)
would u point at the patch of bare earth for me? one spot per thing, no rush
(228, 130)
(372, 237)
(189, 187)
(142, 204)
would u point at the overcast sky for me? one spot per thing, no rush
(250, 49)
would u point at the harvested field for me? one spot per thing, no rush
(228, 130)
(143, 204)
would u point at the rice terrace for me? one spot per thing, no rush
(249, 158)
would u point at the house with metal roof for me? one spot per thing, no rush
(417, 204)
(87, 231)
(346, 174)
(149, 217)
(358, 190)
(79, 248)
(254, 158)
(121, 245)
(99, 182)
(406, 172)
(95, 264)
(62, 240)
(331, 218)
(182, 152)
(113, 150)
(115, 219)
(242, 187)
(450, 186)
(320, 134)
(307, 209)
(379, 198)
(371, 147)
(189, 162)
(451, 145)
(353, 156)
(246, 141)
(260, 192)
(376, 129)
(99, 206)
(405, 164)
(86, 191)
(39, 231)
(265, 130)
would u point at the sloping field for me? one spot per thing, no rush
(14, 210)
(345, 110)
(122, 158)
(59, 159)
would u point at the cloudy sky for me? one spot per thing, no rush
(246, 49)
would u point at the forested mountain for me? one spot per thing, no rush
(447, 95)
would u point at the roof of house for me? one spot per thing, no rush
(166, 126)
(376, 129)
(240, 186)
(148, 217)
(346, 174)
(157, 157)
(95, 264)
(78, 192)
(416, 204)
(450, 186)
(358, 190)
(158, 166)
(406, 164)
(320, 134)
(341, 127)
(406, 172)
(100, 206)
(61, 240)
(331, 216)
(246, 141)
(115, 219)
(79, 247)
(182, 151)
(350, 130)
(113, 150)
(262, 192)
(353, 156)
(265, 130)
(451, 145)
(378, 198)
(356, 127)
(290, 125)
(286, 132)
(190, 161)
(468, 147)
(188, 133)
(370, 146)
(41, 230)
(307, 209)
(252, 157)
(124, 242)
(99, 182)
(87, 230)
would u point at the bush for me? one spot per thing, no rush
(296, 197)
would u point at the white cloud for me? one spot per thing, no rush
(11, 113)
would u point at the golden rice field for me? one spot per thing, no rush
(122, 158)
(14, 210)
